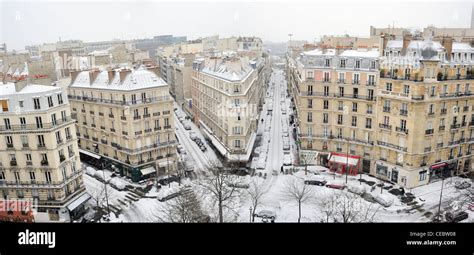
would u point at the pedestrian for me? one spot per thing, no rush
(402, 191)
(281, 169)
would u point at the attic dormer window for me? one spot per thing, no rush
(328, 63)
(343, 63)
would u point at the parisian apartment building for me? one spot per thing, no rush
(39, 159)
(124, 121)
(227, 93)
(403, 109)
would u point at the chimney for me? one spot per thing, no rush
(447, 43)
(385, 38)
(19, 85)
(93, 75)
(154, 69)
(123, 74)
(110, 75)
(73, 75)
(406, 41)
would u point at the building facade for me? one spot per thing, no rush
(226, 94)
(124, 121)
(405, 113)
(39, 153)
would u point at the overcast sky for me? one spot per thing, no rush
(28, 23)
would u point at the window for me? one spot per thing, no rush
(369, 109)
(371, 80)
(403, 125)
(32, 176)
(327, 63)
(340, 119)
(237, 130)
(310, 117)
(134, 99)
(326, 76)
(143, 97)
(310, 75)
(310, 90)
(60, 98)
(58, 137)
(47, 176)
(23, 122)
(357, 64)
(326, 104)
(388, 86)
(355, 79)
(36, 103)
(343, 63)
(237, 143)
(370, 94)
(41, 141)
(431, 109)
(21, 103)
(354, 107)
(9, 140)
(7, 124)
(326, 91)
(53, 119)
(355, 92)
(4, 104)
(340, 105)
(406, 89)
(63, 116)
(354, 121)
(325, 118)
(310, 103)
(386, 120)
(341, 77)
(28, 157)
(372, 65)
(368, 123)
(50, 101)
(341, 91)
(445, 88)
(24, 140)
(68, 133)
(433, 91)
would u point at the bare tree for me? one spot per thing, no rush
(222, 187)
(295, 191)
(256, 193)
(185, 208)
(347, 207)
(98, 195)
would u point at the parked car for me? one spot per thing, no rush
(186, 126)
(462, 185)
(266, 215)
(456, 217)
(203, 148)
(335, 185)
(181, 119)
(168, 180)
(193, 135)
(356, 189)
(286, 144)
(316, 180)
(287, 159)
(261, 163)
(90, 171)
(383, 200)
(117, 184)
(368, 197)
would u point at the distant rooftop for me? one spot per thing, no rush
(9, 89)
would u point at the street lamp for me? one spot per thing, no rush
(250, 211)
(347, 158)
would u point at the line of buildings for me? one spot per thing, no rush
(403, 107)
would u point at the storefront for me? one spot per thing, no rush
(442, 170)
(342, 163)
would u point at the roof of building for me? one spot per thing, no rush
(9, 89)
(232, 69)
(136, 79)
(360, 54)
(415, 44)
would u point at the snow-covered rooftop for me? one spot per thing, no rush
(136, 79)
(319, 52)
(9, 89)
(415, 44)
(232, 69)
(360, 54)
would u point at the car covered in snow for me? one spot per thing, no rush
(384, 200)
(102, 176)
(167, 180)
(316, 180)
(286, 143)
(356, 189)
(193, 136)
(117, 183)
(335, 185)
(261, 163)
(287, 161)
(462, 184)
(186, 126)
(90, 171)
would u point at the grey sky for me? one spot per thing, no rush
(26, 23)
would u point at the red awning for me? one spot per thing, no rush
(439, 165)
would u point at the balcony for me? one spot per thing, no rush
(146, 115)
(166, 112)
(91, 112)
(148, 130)
(112, 130)
(136, 117)
(427, 149)
(418, 97)
(95, 139)
(431, 114)
(69, 137)
(463, 124)
(385, 126)
(167, 127)
(401, 130)
(103, 141)
(369, 112)
(138, 132)
(429, 131)
(101, 114)
(10, 146)
(393, 146)
(371, 83)
(29, 163)
(111, 116)
(82, 110)
(93, 125)
(86, 136)
(123, 118)
(60, 141)
(444, 111)
(44, 163)
(157, 128)
(339, 81)
(41, 145)
(453, 126)
(439, 145)
(404, 112)
(13, 163)
(386, 109)
(156, 114)
(102, 127)
(355, 82)
(84, 123)
(368, 127)
(442, 128)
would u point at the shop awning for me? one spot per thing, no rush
(439, 165)
(148, 170)
(79, 201)
(89, 154)
(343, 159)
(165, 163)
